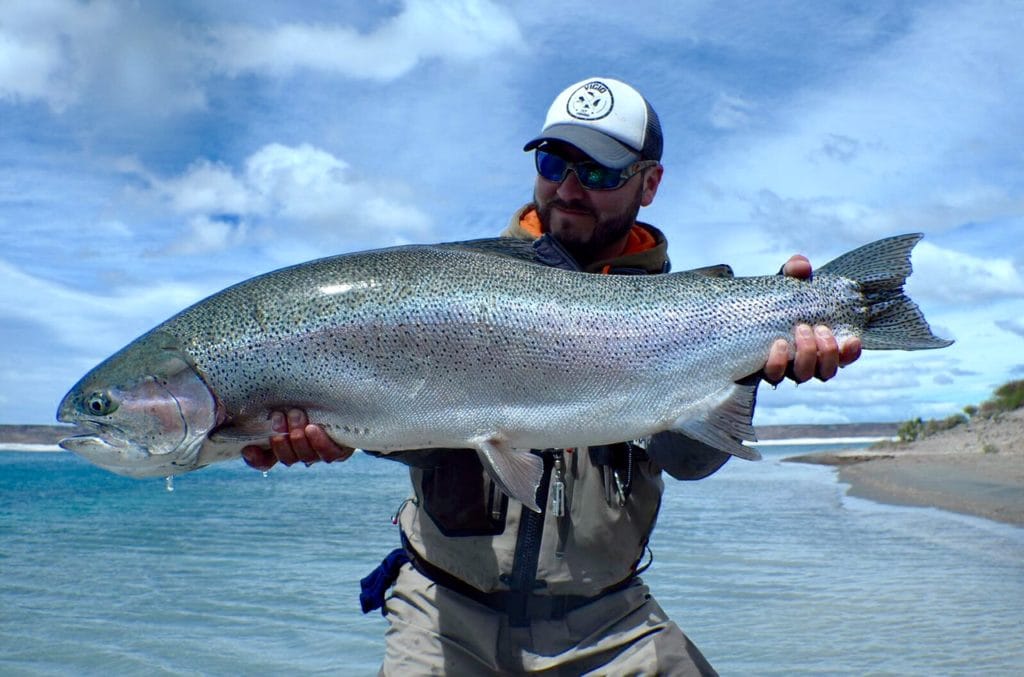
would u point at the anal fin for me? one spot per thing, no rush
(517, 473)
(727, 424)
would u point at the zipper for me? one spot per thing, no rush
(522, 581)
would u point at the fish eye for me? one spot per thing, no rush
(100, 404)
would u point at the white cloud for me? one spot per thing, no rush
(800, 413)
(205, 235)
(307, 189)
(123, 57)
(303, 183)
(208, 187)
(62, 331)
(898, 385)
(459, 30)
(26, 66)
(64, 52)
(816, 221)
(731, 112)
(1014, 326)
(889, 144)
(960, 278)
(90, 322)
(39, 48)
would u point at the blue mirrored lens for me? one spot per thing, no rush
(595, 176)
(590, 174)
(551, 167)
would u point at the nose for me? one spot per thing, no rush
(570, 188)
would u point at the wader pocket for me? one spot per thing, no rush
(460, 499)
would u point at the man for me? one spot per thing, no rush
(487, 586)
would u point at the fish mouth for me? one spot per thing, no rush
(107, 446)
(93, 433)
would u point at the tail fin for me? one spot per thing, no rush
(881, 268)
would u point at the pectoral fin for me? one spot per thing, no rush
(517, 473)
(727, 421)
(241, 431)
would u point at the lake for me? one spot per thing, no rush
(768, 567)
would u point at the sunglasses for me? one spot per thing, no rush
(591, 175)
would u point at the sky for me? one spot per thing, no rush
(154, 153)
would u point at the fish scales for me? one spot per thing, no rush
(537, 335)
(463, 346)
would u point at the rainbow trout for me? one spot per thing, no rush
(472, 345)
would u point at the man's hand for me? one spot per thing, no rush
(298, 441)
(817, 351)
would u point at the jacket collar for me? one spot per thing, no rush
(646, 251)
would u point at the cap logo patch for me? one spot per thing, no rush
(591, 101)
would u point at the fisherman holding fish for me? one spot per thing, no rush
(482, 583)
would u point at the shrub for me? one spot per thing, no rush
(948, 423)
(1010, 395)
(910, 430)
(1007, 397)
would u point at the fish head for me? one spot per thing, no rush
(146, 411)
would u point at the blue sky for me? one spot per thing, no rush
(154, 153)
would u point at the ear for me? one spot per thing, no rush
(652, 179)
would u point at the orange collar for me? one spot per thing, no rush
(640, 240)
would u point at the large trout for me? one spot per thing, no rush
(472, 345)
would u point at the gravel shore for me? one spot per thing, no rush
(975, 469)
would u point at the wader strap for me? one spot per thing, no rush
(533, 607)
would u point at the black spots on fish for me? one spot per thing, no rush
(403, 319)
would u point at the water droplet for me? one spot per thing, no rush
(169, 482)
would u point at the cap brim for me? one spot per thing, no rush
(599, 146)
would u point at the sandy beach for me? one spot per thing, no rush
(975, 469)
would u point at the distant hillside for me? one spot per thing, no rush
(827, 430)
(34, 434)
(50, 434)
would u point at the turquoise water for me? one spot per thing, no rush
(767, 566)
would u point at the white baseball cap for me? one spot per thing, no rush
(606, 119)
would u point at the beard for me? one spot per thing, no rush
(606, 232)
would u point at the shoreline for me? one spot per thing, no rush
(38, 447)
(31, 448)
(975, 469)
(814, 441)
